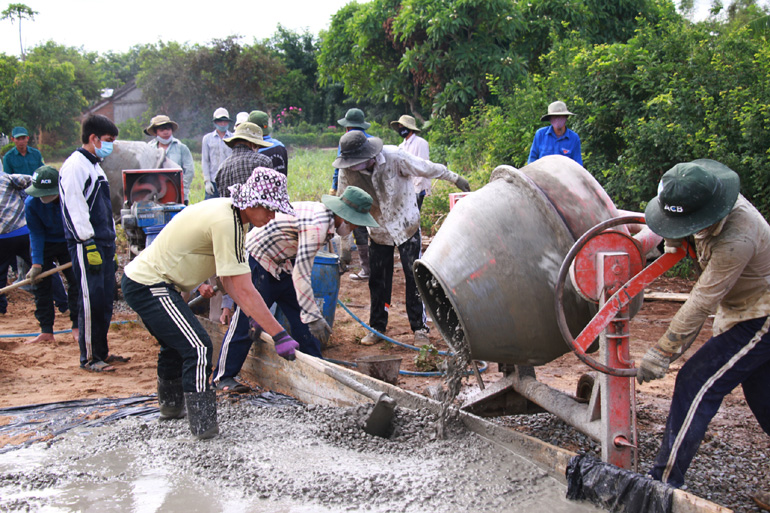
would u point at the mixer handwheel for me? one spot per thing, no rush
(614, 304)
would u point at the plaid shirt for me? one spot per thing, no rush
(289, 244)
(12, 197)
(237, 168)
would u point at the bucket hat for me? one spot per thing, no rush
(354, 118)
(159, 121)
(19, 131)
(407, 121)
(260, 118)
(692, 196)
(353, 206)
(265, 188)
(556, 109)
(45, 182)
(248, 132)
(355, 148)
(221, 114)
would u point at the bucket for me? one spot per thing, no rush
(152, 232)
(488, 277)
(382, 367)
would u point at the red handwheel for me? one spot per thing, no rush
(595, 240)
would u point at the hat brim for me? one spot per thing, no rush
(39, 193)
(371, 148)
(230, 141)
(548, 116)
(346, 212)
(150, 130)
(224, 119)
(350, 124)
(678, 227)
(394, 126)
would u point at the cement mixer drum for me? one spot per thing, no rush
(488, 277)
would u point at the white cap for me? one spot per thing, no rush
(241, 117)
(221, 113)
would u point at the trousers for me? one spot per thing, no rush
(45, 289)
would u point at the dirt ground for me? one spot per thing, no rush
(49, 372)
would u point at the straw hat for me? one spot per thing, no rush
(353, 206)
(248, 132)
(692, 196)
(159, 121)
(556, 109)
(406, 121)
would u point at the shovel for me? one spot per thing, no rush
(380, 420)
(27, 281)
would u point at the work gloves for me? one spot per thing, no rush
(210, 188)
(34, 271)
(93, 257)
(463, 184)
(255, 330)
(285, 346)
(654, 365)
(321, 330)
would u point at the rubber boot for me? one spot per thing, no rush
(170, 399)
(202, 413)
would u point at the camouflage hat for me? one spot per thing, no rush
(248, 132)
(265, 188)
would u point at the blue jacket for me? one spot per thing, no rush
(45, 225)
(546, 143)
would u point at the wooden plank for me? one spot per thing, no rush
(678, 297)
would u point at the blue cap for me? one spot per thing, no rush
(19, 131)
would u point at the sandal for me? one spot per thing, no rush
(113, 358)
(99, 366)
(232, 386)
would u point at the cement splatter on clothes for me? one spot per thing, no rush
(294, 458)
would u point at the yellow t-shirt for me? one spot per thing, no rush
(202, 240)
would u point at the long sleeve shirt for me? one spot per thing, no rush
(277, 153)
(12, 220)
(289, 244)
(389, 183)
(418, 147)
(214, 151)
(180, 154)
(45, 226)
(735, 282)
(84, 193)
(547, 143)
(237, 168)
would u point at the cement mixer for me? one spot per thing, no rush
(518, 266)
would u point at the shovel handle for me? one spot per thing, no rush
(40, 276)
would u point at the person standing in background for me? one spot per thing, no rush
(22, 159)
(417, 146)
(162, 129)
(556, 139)
(214, 151)
(276, 151)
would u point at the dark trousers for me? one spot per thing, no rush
(206, 195)
(55, 252)
(739, 356)
(185, 347)
(361, 236)
(97, 290)
(381, 283)
(10, 248)
(59, 294)
(420, 199)
(236, 343)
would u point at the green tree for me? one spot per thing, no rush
(18, 12)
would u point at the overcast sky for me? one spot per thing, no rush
(117, 26)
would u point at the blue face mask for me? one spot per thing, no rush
(221, 128)
(105, 150)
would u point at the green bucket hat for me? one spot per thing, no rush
(45, 182)
(260, 118)
(353, 206)
(354, 118)
(692, 196)
(355, 148)
(248, 132)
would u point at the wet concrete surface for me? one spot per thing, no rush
(291, 458)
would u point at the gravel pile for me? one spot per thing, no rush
(723, 471)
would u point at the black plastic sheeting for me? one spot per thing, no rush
(44, 422)
(616, 489)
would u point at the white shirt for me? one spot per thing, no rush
(418, 147)
(214, 151)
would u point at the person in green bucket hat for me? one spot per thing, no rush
(701, 201)
(281, 254)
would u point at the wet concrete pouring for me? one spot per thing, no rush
(279, 456)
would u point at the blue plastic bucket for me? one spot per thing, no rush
(152, 232)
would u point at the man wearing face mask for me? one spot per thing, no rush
(281, 256)
(48, 248)
(386, 172)
(556, 139)
(162, 129)
(214, 151)
(417, 146)
(90, 233)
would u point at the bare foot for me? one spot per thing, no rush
(43, 337)
(75, 334)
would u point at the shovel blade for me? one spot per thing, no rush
(380, 421)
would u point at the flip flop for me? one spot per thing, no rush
(232, 386)
(113, 358)
(98, 367)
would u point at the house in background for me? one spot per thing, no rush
(120, 105)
